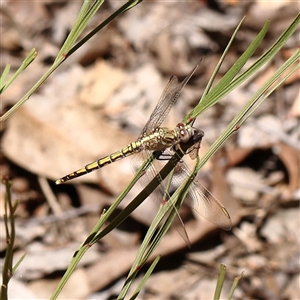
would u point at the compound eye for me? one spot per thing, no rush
(184, 134)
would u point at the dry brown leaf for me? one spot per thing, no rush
(52, 135)
(112, 266)
(99, 83)
(294, 112)
(291, 159)
(221, 190)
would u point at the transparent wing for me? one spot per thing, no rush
(166, 101)
(206, 205)
(198, 198)
(150, 173)
(202, 200)
(193, 151)
(158, 194)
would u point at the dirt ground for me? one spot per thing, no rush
(99, 100)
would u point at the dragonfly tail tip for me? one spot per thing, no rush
(59, 181)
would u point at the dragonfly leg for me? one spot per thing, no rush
(178, 147)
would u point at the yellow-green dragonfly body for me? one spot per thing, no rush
(159, 139)
(156, 138)
(153, 137)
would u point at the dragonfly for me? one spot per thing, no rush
(157, 139)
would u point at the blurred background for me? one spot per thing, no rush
(99, 100)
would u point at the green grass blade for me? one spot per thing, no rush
(215, 94)
(217, 68)
(170, 210)
(68, 48)
(118, 12)
(145, 278)
(121, 10)
(9, 222)
(147, 246)
(3, 77)
(84, 16)
(234, 285)
(146, 249)
(158, 228)
(266, 57)
(220, 282)
(97, 232)
(18, 263)
(225, 86)
(27, 61)
(268, 87)
(249, 108)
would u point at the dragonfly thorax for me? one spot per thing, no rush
(162, 137)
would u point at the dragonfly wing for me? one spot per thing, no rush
(206, 205)
(159, 192)
(163, 106)
(193, 151)
(198, 198)
(150, 173)
(136, 162)
(166, 101)
(202, 200)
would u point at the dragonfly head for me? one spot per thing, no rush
(195, 138)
